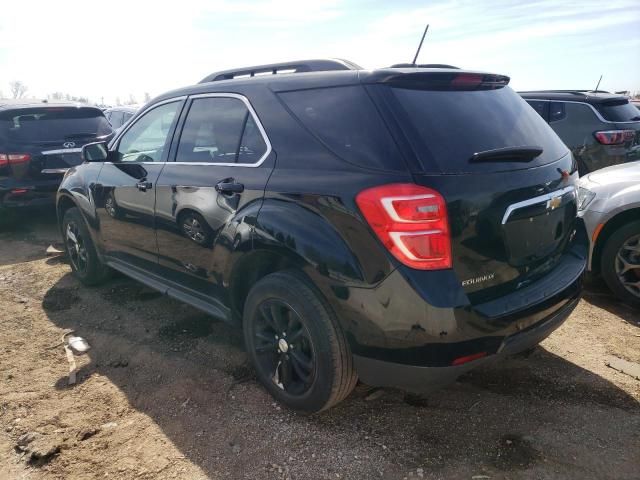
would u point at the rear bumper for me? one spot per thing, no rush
(28, 194)
(425, 379)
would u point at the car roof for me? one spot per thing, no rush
(301, 79)
(587, 96)
(124, 108)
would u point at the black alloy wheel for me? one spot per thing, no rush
(296, 344)
(76, 248)
(283, 347)
(80, 249)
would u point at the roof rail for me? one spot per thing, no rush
(571, 92)
(321, 65)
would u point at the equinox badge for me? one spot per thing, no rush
(473, 281)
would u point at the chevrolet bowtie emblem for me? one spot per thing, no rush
(554, 203)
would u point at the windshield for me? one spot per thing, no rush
(618, 111)
(448, 128)
(49, 124)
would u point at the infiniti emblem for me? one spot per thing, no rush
(69, 144)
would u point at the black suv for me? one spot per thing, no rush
(356, 224)
(38, 143)
(600, 128)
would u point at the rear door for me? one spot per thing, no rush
(208, 197)
(512, 215)
(125, 191)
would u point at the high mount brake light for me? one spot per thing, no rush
(447, 81)
(411, 221)
(13, 158)
(614, 137)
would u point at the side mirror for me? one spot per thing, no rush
(95, 152)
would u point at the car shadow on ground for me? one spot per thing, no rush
(188, 373)
(32, 231)
(597, 293)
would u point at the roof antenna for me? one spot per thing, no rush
(420, 46)
(598, 84)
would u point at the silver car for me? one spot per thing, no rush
(609, 204)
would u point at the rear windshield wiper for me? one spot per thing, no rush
(508, 154)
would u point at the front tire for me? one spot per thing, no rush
(296, 345)
(80, 249)
(620, 265)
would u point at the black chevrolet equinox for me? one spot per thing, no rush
(400, 226)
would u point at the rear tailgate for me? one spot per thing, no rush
(624, 118)
(506, 177)
(50, 137)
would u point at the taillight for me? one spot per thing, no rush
(614, 137)
(13, 158)
(411, 221)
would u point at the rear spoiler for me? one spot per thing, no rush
(445, 79)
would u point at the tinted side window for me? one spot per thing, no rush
(540, 107)
(557, 111)
(220, 130)
(145, 141)
(346, 121)
(115, 119)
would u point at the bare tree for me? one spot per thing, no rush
(131, 100)
(18, 89)
(147, 97)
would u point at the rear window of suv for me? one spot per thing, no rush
(446, 128)
(53, 124)
(618, 111)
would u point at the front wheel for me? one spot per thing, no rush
(296, 345)
(81, 250)
(621, 263)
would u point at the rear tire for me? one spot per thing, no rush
(294, 341)
(620, 254)
(81, 251)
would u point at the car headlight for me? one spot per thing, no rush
(585, 197)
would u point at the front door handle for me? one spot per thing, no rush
(229, 185)
(144, 185)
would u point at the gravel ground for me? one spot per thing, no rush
(166, 392)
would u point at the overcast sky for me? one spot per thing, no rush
(122, 47)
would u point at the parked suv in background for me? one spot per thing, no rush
(118, 116)
(600, 128)
(38, 143)
(355, 223)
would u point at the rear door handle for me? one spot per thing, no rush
(229, 185)
(144, 186)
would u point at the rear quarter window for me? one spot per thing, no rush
(347, 122)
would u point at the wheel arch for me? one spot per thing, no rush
(64, 202)
(611, 226)
(255, 265)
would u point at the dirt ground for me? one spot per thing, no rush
(166, 392)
